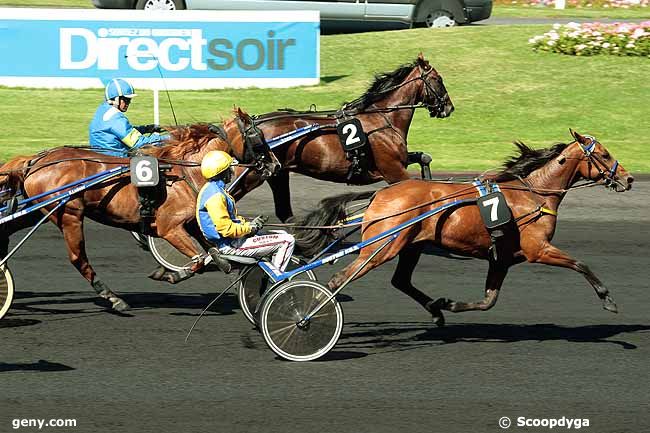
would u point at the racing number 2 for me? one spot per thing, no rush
(351, 134)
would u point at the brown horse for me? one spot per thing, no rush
(385, 112)
(115, 202)
(534, 184)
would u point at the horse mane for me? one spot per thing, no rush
(382, 83)
(527, 161)
(184, 140)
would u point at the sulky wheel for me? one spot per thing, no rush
(6, 290)
(254, 284)
(168, 256)
(141, 240)
(282, 325)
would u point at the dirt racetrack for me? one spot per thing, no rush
(547, 350)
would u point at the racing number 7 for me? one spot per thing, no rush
(494, 202)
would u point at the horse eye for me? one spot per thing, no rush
(606, 156)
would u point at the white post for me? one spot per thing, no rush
(560, 4)
(156, 107)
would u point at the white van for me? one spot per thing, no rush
(353, 14)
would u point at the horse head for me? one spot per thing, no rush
(434, 96)
(597, 164)
(254, 149)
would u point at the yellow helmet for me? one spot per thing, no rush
(215, 162)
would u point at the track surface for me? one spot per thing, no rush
(546, 350)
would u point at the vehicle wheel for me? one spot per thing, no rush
(161, 5)
(440, 18)
(168, 256)
(253, 285)
(284, 308)
(141, 240)
(6, 290)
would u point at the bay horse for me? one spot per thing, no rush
(385, 111)
(115, 202)
(534, 184)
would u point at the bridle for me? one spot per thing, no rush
(265, 162)
(606, 173)
(439, 105)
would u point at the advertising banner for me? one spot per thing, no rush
(79, 48)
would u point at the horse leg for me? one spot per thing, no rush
(180, 239)
(493, 282)
(390, 159)
(71, 226)
(550, 255)
(281, 195)
(408, 259)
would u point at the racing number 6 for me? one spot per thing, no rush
(143, 171)
(494, 202)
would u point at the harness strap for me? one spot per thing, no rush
(548, 211)
(188, 180)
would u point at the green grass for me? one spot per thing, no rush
(502, 90)
(516, 11)
(47, 3)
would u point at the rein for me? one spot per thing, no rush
(345, 111)
(607, 173)
(343, 225)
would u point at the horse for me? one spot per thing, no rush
(385, 111)
(116, 202)
(533, 183)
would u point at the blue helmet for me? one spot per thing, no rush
(118, 87)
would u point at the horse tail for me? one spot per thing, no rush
(331, 211)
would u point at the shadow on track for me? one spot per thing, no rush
(41, 366)
(49, 301)
(16, 323)
(411, 335)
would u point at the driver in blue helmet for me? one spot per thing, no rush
(111, 133)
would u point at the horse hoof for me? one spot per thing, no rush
(610, 305)
(177, 277)
(433, 307)
(157, 274)
(120, 305)
(439, 320)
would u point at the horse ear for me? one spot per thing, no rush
(579, 138)
(421, 58)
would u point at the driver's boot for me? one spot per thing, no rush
(223, 264)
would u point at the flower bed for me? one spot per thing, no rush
(588, 39)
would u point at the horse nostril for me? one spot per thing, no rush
(630, 179)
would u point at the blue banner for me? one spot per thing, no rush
(243, 48)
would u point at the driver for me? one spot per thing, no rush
(229, 232)
(111, 133)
